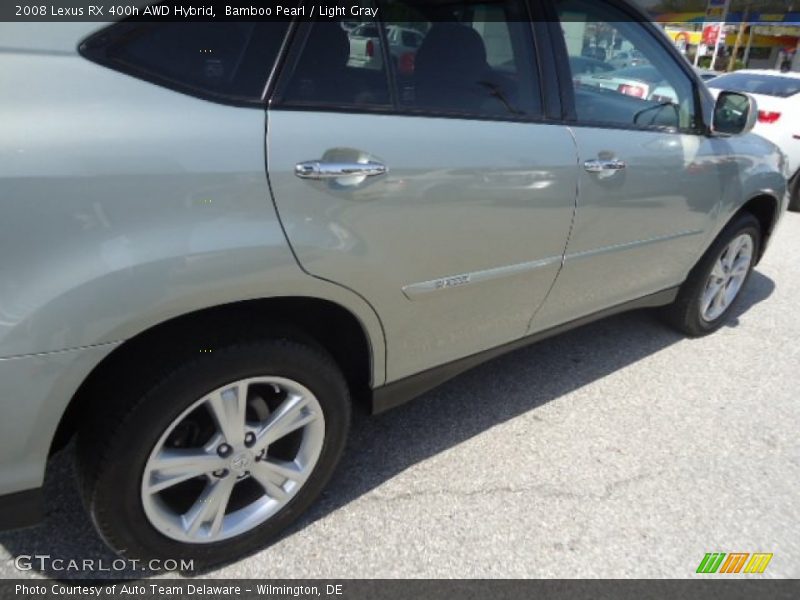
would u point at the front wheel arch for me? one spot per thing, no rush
(765, 208)
(794, 192)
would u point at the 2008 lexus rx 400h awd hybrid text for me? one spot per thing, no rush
(211, 257)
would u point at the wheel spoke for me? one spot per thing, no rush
(284, 469)
(731, 292)
(741, 266)
(172, 467)
(733, 251)
(711, 293)
(228, 409)
(720, 301)
(270, 480)
(290, 416)
(210, 507)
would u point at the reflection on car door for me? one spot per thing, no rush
(460, 240)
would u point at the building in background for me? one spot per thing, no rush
(770, 31)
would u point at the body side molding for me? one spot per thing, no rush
(417, 291)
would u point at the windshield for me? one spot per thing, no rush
(768, 85)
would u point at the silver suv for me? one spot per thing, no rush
(220, 238)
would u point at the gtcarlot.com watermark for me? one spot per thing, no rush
(45, 562)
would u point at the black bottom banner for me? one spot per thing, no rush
(402, 589)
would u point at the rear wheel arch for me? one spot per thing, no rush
(138, 360)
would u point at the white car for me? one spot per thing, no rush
(778, 98)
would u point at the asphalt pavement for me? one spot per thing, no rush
(617, 450)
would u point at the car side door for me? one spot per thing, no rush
(651, 182)
(434, 189)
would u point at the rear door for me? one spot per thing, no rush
(431, 186)
(650, 181)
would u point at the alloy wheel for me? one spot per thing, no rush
(233, 459)
(727, 278)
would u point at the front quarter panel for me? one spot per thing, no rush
(752, 167)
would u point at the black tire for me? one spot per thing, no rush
(794, 193)
(685, 313)
(115, 444)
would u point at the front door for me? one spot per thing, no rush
(649, 182)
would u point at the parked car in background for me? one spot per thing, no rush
(631, 58)
(778, 97)
(365, 45)
(639, 82)
(212, 259)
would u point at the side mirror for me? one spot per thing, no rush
(734, 114)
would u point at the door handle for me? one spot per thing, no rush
(317, 169)
(602, 166)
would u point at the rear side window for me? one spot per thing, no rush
(224, 61)
(768, 85)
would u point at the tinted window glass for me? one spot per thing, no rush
(339, 68)
(222, 59)
(581, 65)
(769, 85)
(410, 39)
(644, 87)
(473, 57)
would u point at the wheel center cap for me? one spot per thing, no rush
(241, 462)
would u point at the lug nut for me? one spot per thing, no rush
(221, 473)
(224, 450)
(249, 439)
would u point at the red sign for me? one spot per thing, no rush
(711, 35)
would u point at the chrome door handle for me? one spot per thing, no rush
(317, 169)
(601, 166)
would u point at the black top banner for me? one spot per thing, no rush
(18, 11)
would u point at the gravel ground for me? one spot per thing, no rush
(617, 450)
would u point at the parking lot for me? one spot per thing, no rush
(617, 450)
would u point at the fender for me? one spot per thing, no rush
(759, 165)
